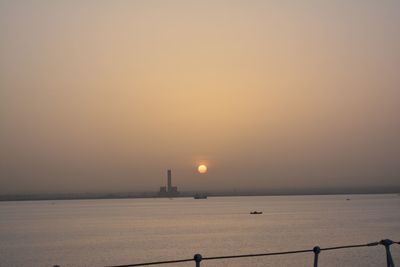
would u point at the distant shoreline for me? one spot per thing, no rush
(83, 196)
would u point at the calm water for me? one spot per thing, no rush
(111, 232)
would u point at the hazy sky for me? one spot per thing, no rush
(106, 95)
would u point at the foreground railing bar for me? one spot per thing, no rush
(244, 255)
(316, 251)
(351, 246)
(198, 258)
(152, 263)
(216, 258)
(257, 255)
(387, 243)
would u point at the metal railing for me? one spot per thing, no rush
(198, 258)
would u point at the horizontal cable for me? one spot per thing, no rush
(257, 255)
(352, 246)
(152, 263)
(252, 255)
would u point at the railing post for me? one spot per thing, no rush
(389, 260)
(316, 250)
(197, 258)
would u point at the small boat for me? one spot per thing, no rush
(256, 212)
(198, 196)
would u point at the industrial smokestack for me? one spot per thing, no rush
(169, 175)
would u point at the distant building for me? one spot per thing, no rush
(168, 190)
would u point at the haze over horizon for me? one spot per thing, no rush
(100, 96)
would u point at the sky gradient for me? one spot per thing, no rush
(104, 96)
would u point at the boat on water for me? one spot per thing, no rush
(256, 212)
(198, 196)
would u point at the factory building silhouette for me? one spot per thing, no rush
(168, 190)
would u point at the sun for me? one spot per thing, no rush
(202, 168)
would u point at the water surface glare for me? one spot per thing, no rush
(123, 231)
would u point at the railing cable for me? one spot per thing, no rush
(153, 263)
(316, 250)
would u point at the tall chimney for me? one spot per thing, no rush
(169, 180)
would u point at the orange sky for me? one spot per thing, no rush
(105, 96)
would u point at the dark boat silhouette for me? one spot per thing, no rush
(256, 212)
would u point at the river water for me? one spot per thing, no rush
(123, 231)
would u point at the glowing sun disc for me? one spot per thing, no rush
(202, 168)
